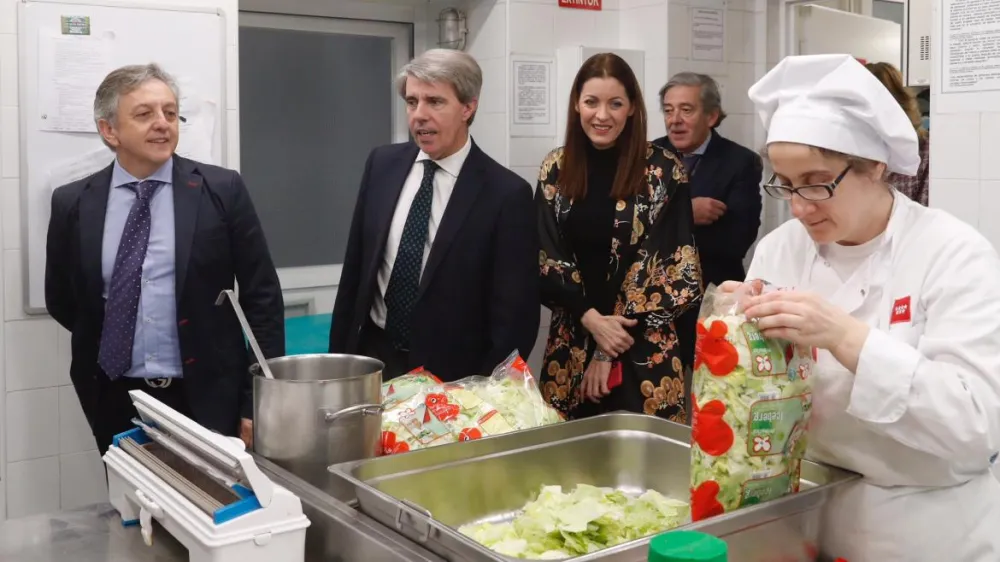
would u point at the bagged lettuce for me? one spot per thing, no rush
(750, 405)
(421, 411)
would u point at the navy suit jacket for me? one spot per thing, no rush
(732, 174)
(218, 240)
(479, 291)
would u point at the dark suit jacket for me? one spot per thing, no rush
(732, 174)
(479, 292)
(218, 239)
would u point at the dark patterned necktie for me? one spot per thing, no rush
(118, 334)
(404, 283)
(690, 163)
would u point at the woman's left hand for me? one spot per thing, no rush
(595, 380)
(808, 320)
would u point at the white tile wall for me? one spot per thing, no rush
(13, 307)
(532, 28)
(493, 98)
(485, 131)
(735, 74)
(965, 133)
(679, 38)
(530, 151)
(10, 213)
(9, 210)
(8, 18)
(989, 199)
(33, 355)
(957, 157)
(989, 132)
(487, 22)
(32, 424)
(8, 67)
(529, 173)
(646, 27)
(9, 150)
(959, 197)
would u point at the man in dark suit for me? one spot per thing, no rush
(442, 260)
(137, 255)
(725, 182)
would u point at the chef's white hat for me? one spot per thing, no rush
(833, 102)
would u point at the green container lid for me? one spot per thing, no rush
(687, 546)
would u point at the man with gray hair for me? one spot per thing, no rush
(724, 178)
(137, 254)
(441, 268)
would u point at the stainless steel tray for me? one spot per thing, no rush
(493, 478)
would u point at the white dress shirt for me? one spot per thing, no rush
(444, 183)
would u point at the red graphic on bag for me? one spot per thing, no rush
(439, 406)
(708, 430)
(469, 434)
(704, 502)
(713, 350)
(390, 444)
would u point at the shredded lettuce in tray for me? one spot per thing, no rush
(559, 525)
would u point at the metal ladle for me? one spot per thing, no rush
(261, 361)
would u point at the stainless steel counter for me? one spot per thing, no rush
(337, 533)
(91, 534)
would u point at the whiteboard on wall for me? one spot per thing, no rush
(65, 48)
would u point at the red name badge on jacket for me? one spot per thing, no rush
(900, 311)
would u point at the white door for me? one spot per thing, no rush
(316, 95)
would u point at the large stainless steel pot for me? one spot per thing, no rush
(318, 410)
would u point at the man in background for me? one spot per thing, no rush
(725, 182)
(442, 260)
(137, 255)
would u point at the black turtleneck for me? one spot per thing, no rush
(589, 229)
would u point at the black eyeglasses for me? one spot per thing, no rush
(815, 192)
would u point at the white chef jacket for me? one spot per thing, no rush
(920, 420)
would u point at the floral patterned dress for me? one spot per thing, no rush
(659, 279)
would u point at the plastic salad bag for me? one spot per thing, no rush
(421, 411)
(750, 405)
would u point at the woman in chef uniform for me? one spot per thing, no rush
(903, 303)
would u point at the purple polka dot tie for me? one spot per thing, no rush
(404, 283)
(118, 334)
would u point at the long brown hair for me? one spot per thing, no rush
(892, 79)
(631, 143)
